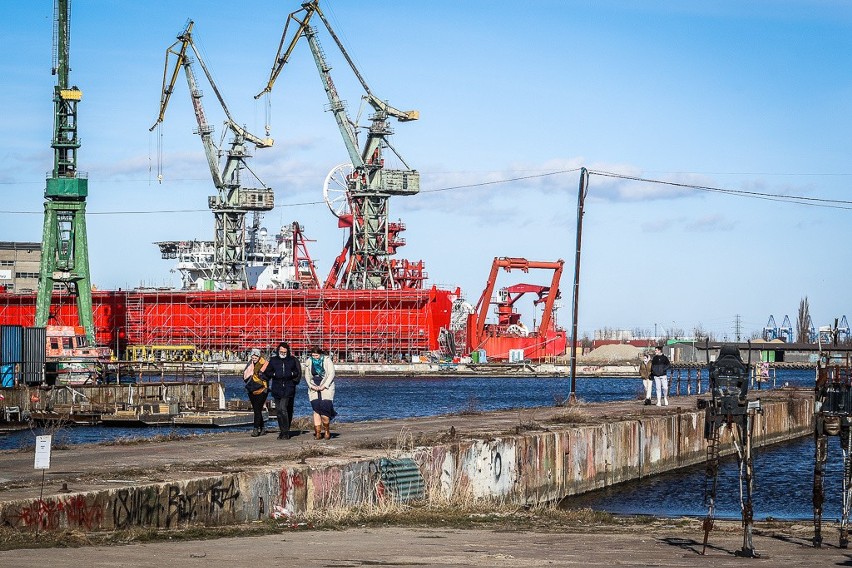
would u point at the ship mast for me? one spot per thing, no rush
(64, 248)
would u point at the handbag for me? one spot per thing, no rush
(256, 385)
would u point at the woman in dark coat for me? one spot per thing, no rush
(284, 373)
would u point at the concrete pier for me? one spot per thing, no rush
(521, 456)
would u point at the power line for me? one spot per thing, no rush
(798, 199)
(508, 180)
(795, 199)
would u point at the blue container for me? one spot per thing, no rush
(7, 376)
(11, 344)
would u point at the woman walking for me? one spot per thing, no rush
(283, 372)
(645, 373)
(256, 386)
(319, 372)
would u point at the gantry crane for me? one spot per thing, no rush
(233, 201)
(65, 248)
(366, 185)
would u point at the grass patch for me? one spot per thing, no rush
(169, 437)
(572, 414)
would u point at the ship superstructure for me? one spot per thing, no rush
(279, 261)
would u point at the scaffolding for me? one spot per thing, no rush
(354, 325)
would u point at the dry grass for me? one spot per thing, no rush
(575, 413)
(168, 437)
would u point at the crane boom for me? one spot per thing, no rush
(336, 106)
(167, 90)
(282, 59)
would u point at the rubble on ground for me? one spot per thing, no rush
(615, 354)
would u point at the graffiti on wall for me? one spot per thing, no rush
(166, 506)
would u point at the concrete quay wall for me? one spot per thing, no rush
(534, 466)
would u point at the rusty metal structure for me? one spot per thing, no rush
(728, 409)
(832, 418)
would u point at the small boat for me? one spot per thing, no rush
(217, 418)
(71, 418)
(141, 415)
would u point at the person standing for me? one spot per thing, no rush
(645, 373)
(659, 369)
(257, 388)
(319, 374)
(283, 372)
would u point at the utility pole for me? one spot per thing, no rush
(575, 300)
(64, 245)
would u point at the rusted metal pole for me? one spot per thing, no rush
(581, 198)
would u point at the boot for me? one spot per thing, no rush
(255, 433)
(317, 432)
(327, 428)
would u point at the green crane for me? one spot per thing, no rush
(368, 184)
(64, 246)
(233, 200)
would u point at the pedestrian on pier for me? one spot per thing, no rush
(283, 372)
(660, 366)
(257, 388)
(319, 374)
(645, 373)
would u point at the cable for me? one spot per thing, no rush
(484, 183)
(795, 199)
(798, 199)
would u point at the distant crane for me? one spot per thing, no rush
(233, 201)
(785, 332)
(770, 330)
(358, 192)
(843, 331)
(812, 332)
(64, 245)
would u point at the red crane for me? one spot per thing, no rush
(509, 333)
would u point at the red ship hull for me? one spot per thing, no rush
(353, 324)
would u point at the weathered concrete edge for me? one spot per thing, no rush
(528, 468)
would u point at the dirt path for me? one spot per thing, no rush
(647, 545)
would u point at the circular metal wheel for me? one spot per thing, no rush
(335, 191)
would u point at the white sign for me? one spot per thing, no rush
(42, 453)
(5, 274)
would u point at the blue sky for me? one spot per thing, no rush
(743, 96)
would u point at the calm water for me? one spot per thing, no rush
(784, 474)
(783, 487)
